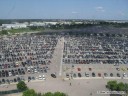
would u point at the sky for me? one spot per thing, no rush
(64, 9)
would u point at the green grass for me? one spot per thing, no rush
(19, 30)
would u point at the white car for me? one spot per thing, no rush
(124, 75)
(36, 78)
(43, 76)
(10, 74)
(40, 77)
(35, 70)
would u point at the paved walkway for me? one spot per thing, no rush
(56, 67)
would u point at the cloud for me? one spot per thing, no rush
(74, 12)
(100, 9)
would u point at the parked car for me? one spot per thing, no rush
(118, 69)
(67, 75)
(40, 77)
(99, 74)
(90, 69)
(93, 74)
(111, 74)
(74, 75)
(29, 78)
(87, 75)
(118, 75)
(79, 75)
(105, 74)
(79, 69)
(53, 75)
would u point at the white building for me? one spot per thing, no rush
(15, 26)
(51, 23)
(37, 24)
(42, 23)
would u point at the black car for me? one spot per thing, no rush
(118, 75)
(29, 78)
(0, 74)
(3, 74)
(53, 75)
(7, 81)
(15, 80)
(79, 75)
(33, 78)
(19, 71)
(18, 79)
(93, 74)
(23, 72)
(67, 75)
(3, 81)
(111, 74)
(45, 71)
(6, 72)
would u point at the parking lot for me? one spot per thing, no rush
(31, 57)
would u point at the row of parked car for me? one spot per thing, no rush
(17, 79)
(24, 64)
(37, 69)
(93, 74)
(12, 80)
(12, 72)
(95, 50)
(23, 55)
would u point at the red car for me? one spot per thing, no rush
(78, 69)
(99, 74)
(90, 69)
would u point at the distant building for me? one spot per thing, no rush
(51, 23)
(37, 24)
(15, 26)
(66, 22)
(42, 23)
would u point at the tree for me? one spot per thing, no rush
(112, 85)
(29, 92)
(59, 94)
(21, 86)
(38, 94)
(120, 86)
(126, 87)
(48, 94)
(4, 32)
(54, 94)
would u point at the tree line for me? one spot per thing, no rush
(31, 92)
